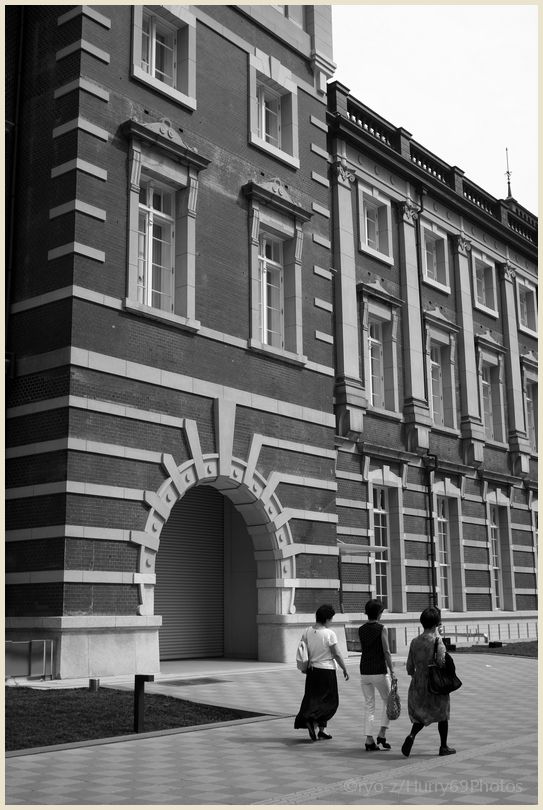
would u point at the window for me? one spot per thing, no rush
(491, 402)
(435, 255)
(156, 246)
(375, 221)
(376, 375)
(164, 51)
(271, 302)
(531, 414)
(163, 191)
(379, 350)
(527, 306)
(276, 240)
(490, 369)
(293, 13)
(269, 115)
(381, 542)
(273, 119)
(159, 49)
(436, 384)
(441, 369)
(529, 371)
(495, 571)
(443, 553)
(441, 384)
(484, 283)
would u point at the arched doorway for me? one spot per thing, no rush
(206, 580)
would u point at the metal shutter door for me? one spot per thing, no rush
(189, 591)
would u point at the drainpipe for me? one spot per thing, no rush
(430, 462)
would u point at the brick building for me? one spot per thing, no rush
(261, 354)
(436, 384)
(170, 470)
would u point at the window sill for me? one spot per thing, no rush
(164, 89)
(280, 354)
(437, 285)
(527, 331)
(496, 445)
(447, 431)
(382, 257)
(482, 308)
(159, 315)
(394, 416)
(290, 160)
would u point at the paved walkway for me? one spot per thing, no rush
(265, 761)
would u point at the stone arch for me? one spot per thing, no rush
(265, 519)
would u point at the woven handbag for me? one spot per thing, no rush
(394, 705)
(443, 680)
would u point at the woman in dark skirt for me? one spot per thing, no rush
(423, 706)
(321, 697)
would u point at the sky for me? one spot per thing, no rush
(462, 79)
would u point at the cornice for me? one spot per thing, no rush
(343, 128)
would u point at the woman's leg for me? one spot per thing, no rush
(410, 739)
(443, 728)
(368, 691)
(383, 687)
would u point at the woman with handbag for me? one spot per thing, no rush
(425, 707)
(374, 660)
(321, 698)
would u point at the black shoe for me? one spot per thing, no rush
(311, 728)
(322, 735)
(444, 751)
(407, 745)
(372, 747)
(382, 741)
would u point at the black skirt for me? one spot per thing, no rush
(321, 698)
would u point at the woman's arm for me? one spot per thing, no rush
(386, 650)
(410, 664)
(334, 649)
(440, 652)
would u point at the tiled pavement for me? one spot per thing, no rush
(265, 761)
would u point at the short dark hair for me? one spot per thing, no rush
(373, 608)
(324, 613)
(430, 617)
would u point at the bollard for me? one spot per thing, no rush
(139, 695)
(94, 684)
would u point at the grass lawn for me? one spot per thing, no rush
(528, 649)
(40, 717)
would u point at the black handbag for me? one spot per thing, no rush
(443, 680)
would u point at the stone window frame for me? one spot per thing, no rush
(495, 498)
(273, 212)
(492, 356)
(157, 152)
(376, 304)
(443, 335)
(532, 289)
(530, 377)
(384, 477)
(429, 230)
(479, 258)
(447, 489)
(371, 196)
(182, 23)
(266, 73)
